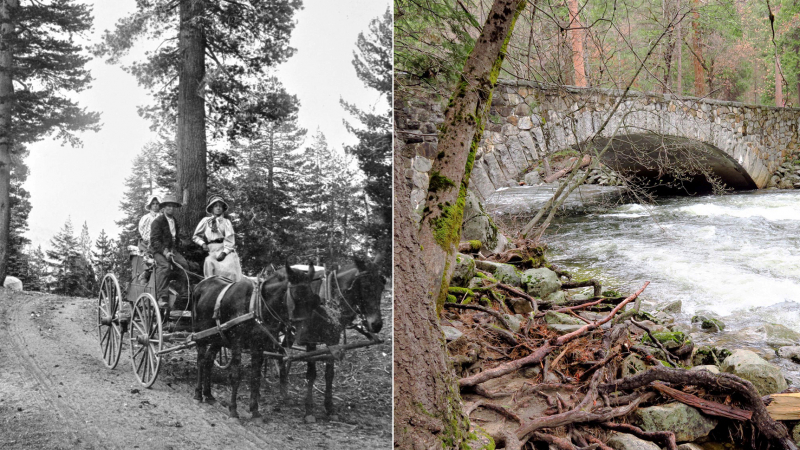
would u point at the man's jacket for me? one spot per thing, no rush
(160, 236)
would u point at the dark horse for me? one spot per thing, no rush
(354, 293)
(258, 335)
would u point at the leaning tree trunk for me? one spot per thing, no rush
(428, 409)
(191, 136)
(576, 36)
(6, 142)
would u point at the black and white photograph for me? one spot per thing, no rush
(195, 224)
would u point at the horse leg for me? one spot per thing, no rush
(329, 367)
(208, 365)
(256, 360)
(283, 374)
(235, 376)
(311, 375)
(201, 355)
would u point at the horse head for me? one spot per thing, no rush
(363, 290)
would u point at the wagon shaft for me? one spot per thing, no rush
(329, 352)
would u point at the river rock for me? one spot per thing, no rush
(556, 298)
(13, 283)
(790, 352)
(778, 335)
(532, 178)
(451, 333)
(766, 377)
(624, 441)
(540, 282)
(709, 355)
(514, 321)
(707, 368)
(520, 305)
(673, 308)
(566, 319)
(504, 273)
(687, 423)
(463, 271)
(632, 364)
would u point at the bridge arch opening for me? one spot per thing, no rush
(673, 165)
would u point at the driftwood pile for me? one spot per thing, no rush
(536, 388)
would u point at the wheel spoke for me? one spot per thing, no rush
(139, 365)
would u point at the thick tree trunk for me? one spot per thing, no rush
(428, 412)
(680, 52)
(6, 141)
(191, 136)
(577, 44)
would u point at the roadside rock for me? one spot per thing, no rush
(540, 282)
(13, 283)
(687, 423)
(766, 377)
(622, 441)
(464, 270)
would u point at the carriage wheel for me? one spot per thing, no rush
(108, 326)
(146, 339)
(223, 359)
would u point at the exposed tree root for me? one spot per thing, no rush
(666, 438)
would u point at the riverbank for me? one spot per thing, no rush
(504, 317)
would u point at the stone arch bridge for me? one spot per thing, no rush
(741, 144)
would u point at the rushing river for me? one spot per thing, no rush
(736, 256)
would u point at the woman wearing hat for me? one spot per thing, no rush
(215, 234)
(153, 206)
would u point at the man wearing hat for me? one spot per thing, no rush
(215, 234)
(164, 242)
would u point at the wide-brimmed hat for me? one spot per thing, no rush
(150, 201)
(216, 199)
(169, 198)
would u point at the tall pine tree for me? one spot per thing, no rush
(72, 272)
(40, 66)
(373, 64)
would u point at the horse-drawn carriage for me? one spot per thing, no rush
(269, 315)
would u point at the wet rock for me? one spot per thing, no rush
(463, 271)
(540, 282)
(671, 340)
(780, 336)
(623, 441)
(708, 323)
(766, 377)
(566, 319)
(709, 355)
(673, 308)
(687, 423)
(790, 352)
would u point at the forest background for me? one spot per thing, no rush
(295, 197)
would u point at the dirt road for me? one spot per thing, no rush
(56, 393)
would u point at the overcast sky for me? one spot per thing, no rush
(87, 183)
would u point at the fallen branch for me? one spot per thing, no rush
(707, 406)
(554, 441)
(667, 438)
(583, 163)
(495, 314)
(519, 293)
(598, 289)
(494, 407)
(542, 351)
(761, 419)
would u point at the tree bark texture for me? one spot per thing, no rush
(576, 35)
(191, 135)
(427, 402)
(778, 83)
(6, 143)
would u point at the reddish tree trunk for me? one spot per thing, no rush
(577, 44)
(778, 83)
(191, 135)
(699, 73)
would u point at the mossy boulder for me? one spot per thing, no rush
(708, 322)
(632, 364)
(504, 273)
(766, 377)
(671, 340)
(478, 226)
(687, 423)
(708, 355)
(566, 319)
(540, 282)
(556, 298)
(464, 270)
